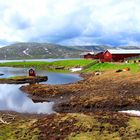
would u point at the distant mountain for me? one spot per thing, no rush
(103, 47)
(37, 51)
(34, 50)
(129, 47)
(91, 47)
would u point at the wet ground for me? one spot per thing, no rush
(87, 109)
(107, 92)
(13, 99)
(69, 126)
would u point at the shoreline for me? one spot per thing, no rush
(87, 109)
(84, 96)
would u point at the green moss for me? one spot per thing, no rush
(82, 136)
(19, 130)
(134, 122)
(95, 136)
(85, 121)
(74, 126)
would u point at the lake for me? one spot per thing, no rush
(47, 60)
(12, 99)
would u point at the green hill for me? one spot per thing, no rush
(37, 51)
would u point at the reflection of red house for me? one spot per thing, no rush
(118, 55)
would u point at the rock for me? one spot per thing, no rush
(98, 73)
(126, 69)
(119, 70)
(59, 68)
(1, 74)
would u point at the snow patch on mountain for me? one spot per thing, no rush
(26, 53)
(46, 49)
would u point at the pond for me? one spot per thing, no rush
(47, 60)
(12, 99)
(53, 77)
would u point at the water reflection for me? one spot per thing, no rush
(11, 98)
(46, 60)
(60, 78)
(53, 78)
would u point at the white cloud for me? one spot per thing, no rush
(71, 21)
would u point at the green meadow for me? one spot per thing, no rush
(67, 64)
(45, 65)
(113, 66)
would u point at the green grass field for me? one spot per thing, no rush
(113, 66)
(73, 63)
(45, 65)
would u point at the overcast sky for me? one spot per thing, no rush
(71, 22)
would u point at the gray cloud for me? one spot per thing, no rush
(75, 22)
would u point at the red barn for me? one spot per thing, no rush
(118, 55)
(99, 55)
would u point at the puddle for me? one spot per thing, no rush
(12, 99)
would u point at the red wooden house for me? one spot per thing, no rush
(119, 55)
(112, 55)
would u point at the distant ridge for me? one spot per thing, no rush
(37, 51)
(33, 50)
(130, 47)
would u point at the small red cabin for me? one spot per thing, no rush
(32, 72)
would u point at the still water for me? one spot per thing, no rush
(12, 99)
(47, 60)
(53, 77)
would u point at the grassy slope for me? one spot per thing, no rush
(73, 63)
(113, 66)
(45, 65)
(78, 126)
(37, 50)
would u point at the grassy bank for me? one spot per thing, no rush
(48, 65)
(113, 66)
(67, 64)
